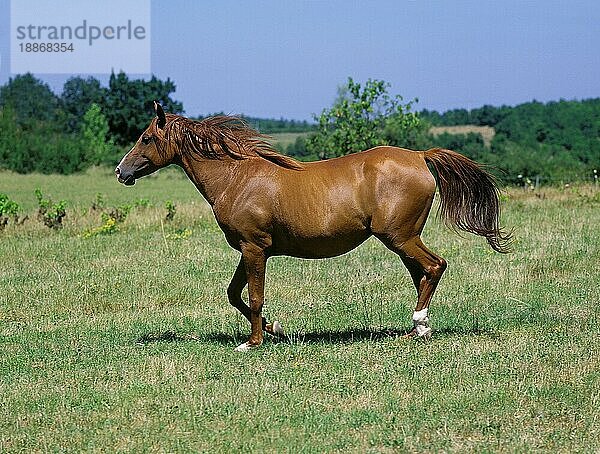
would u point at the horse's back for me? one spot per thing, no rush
(382, 159)
(383, 152)
(383, 164)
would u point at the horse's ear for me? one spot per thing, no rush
(160, 113)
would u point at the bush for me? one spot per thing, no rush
(50, 213)
(171, 210)
(142, 203)
(94, 131)
(470, 144)
(8, 209)
(120, 213)
(99, 203)
(38, 147)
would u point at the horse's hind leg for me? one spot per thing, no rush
(426, 269)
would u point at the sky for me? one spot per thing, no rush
(284, 58)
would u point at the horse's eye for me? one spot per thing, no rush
(146, 140)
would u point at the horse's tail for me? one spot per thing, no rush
(469, 197)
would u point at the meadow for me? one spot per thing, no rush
(283, 139)
(124, 342)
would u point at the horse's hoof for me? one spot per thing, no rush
(278, 329)
(246, 346)
(423, 332)
(275, 329)
(410, 335)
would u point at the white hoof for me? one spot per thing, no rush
(278, 329)
(423, 331)
(245, 347)
(421, 322)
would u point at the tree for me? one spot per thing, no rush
(77, 96)
(44, 133)
(11, 145)
(361, 118)
(488, 115)
(471, 144)
(405, 129)
(30, 99)
(95, 131)
(39, 148)
(129, 105)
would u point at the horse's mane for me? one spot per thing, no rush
(218, 137)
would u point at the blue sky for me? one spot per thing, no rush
(285, 58)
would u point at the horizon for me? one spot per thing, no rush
(270, 59)
(311, 120)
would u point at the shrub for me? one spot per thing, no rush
(120, 213)
(50, 213)
(95, 133)
(171, 210)
(8, 209)
(142, 203)
(99, 203)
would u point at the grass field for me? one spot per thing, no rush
(287, 138)
(124, 342)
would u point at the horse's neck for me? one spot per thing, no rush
(210, 176)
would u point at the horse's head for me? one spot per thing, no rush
(149, 153)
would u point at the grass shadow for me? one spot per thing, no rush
(464, 332)
(357, 335)
(346, 336)
(327, 337)
(172, 336)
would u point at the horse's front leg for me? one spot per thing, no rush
(255, 261)
(234, 294)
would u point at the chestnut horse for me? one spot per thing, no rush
(268, 204)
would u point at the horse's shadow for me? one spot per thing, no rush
(315, 337)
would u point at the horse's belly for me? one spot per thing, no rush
(317, 246)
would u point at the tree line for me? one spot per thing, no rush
(554, 142)
(551, 142)
(274, 126)
(91, 124)
(87, 124)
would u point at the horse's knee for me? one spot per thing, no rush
(256, 305)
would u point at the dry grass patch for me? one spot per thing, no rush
(487, 132)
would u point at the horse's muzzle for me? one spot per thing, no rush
(126, 178)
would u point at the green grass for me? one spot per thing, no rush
(125, 342)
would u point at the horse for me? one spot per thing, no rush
(268, 204)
